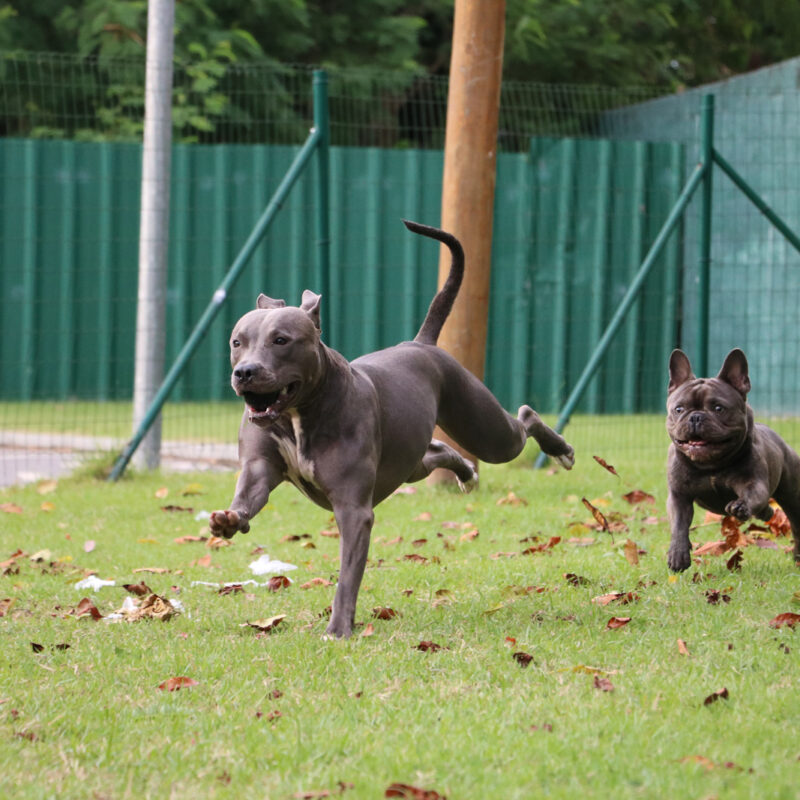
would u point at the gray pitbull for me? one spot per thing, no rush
(348, 434)
(721, 459)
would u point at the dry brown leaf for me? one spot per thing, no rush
(152, 607)
(469, 535)
(330, 534)
(779, 523)
(161, 492)
(203, 561)
(716, 548)
(425, 516)
(153, 570)
(734, 563)
(6, 604)
(605, 465)
(315, 582)
(277, 582)
(714, 696)
(409, 792)
(139, 589)
(495, 556)
(10, 508)
(638, 496)
(216, 542)
(382, 612)
(623, 598)
(369, 630)
(174, 684)
(265, 625)
(682, 648)
(86, 608)
(617, 622)
(189, 538)
(631, 552)
(575, 580)
(603, 684)
(597, 514)
(511, 499)
(47, 506)
(788, 618)
(522, 658)
(428, 646)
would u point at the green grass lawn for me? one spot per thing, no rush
(288, 714)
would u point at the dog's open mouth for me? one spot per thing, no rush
(270, 405)
(700, 448)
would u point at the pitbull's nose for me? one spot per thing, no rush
(244, 372)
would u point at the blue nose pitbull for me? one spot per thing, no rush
(347, 434)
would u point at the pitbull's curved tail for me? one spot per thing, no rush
(442, 303)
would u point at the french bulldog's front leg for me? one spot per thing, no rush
(752, 500)
(355, 527)
(681, 510)
(256, 481)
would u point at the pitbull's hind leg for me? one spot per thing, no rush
(551, 443)
(441, 456)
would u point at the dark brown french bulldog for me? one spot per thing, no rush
(719, 458)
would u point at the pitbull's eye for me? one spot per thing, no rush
(280, 340)
(718, 408)
(235, 343)
(679, 409)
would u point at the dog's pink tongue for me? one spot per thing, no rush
(697, 442)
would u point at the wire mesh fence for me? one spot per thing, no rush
(586, 177)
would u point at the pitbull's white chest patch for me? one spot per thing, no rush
(299, 469)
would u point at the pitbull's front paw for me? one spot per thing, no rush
(679, 558)
(567, 460)
(338, 630)
(227, 523)
(740, 509)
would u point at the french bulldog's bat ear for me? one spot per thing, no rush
(735, 372)
(680, 370)
(267, 302)
(310, 305)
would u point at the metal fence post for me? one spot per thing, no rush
(706, 199)
(322, 126)
(154, 225)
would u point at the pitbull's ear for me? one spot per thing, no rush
(267, 302)
(310, 305)
(680, 370)
(734, 371)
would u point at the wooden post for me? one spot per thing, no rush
(470, 166)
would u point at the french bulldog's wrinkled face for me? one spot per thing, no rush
(275, 355)
(708, 419)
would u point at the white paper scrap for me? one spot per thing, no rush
(264, 565)
(94, 583)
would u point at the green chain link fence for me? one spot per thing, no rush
(586, 177)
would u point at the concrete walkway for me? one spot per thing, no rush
(27, 457)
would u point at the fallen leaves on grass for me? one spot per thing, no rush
(425, 516)
(190, 538)
(6, 604)
(605, 465)
(617, 622)
(511, 499)
(173, 509)
(9, 565)
(631, 552)
(542, 548)
(715, 596)
(153, 570)
(779, 523)
(265, 625)
(469, 535)
(575, 580)
(623, 598)
(341, 787)
(382, 612)
(788, 618)
(152, 607)
(708, 764)
(717, 695)
(409, 792)
(638, 496)
(416, 557)
(369, 630)
(427, 646)
(10, 508)
(85, 608)
(38, 648)
(278, 582)
(139, 589)
(602, 684)
(177, 683)
(734, 563)
(522, 658)
(315, 582)
(682, 648)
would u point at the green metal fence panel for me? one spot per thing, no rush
(572, 219)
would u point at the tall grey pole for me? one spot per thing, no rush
(154, 225)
